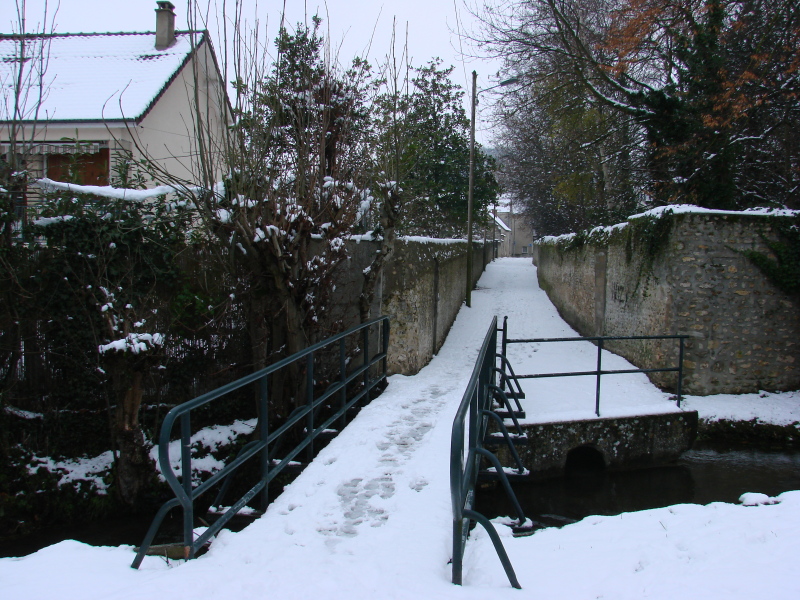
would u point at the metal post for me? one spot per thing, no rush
(680, 371)
(310, 404)
(366, 366)
(385, 346)
(343, 380)
(186, 477)
(471, 186)
(597, 390)
(263, 433)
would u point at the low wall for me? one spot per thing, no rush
(623, 442)
(421, 289)
(682, 274)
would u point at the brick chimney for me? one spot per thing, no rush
(165, 25)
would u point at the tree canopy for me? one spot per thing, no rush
(706, 89)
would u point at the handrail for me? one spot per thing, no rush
(599, 371)
(469, 430)
(185, 493)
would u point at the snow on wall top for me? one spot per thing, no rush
(92, 76)
(675, 209)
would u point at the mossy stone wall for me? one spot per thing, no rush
(683, 274)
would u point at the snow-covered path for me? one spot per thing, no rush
(370, 517)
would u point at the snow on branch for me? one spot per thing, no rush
(136, 343)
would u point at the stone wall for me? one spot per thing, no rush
(421, 289)
(623, 442)
(682, 274)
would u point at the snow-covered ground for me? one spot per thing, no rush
(370, 517)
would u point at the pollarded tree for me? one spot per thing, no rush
(104, 284)
(298, 163)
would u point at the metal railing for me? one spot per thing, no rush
(470, 428)
(364, 377)
(599, 371)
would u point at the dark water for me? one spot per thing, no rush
(108, 532)
(705, 474)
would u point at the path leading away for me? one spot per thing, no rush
(370, 517)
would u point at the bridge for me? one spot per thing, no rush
(379, 490)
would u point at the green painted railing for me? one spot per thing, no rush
(470, 429)
(364, 378)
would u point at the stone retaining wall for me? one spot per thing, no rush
(683, 273)
(421, 289)
(623, 442)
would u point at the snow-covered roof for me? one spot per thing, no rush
(501, 224)
(93, 76)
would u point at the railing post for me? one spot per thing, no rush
(504, 347)
(186, 482)
(263, 433)
(458, 551)
(310, 404)
(365, 342)
(597, 389)
(385, 347)
(342, 379)
(680, 371)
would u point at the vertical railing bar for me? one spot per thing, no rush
(343, 379)
(366, 365)
(680, 370)
(504, 348)
(597, 389)
(310, 404)
(263, 432)
(186, 482)
(385, 347)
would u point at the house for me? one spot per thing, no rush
(87, 99)
(513, 232)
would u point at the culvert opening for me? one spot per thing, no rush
(584, 459)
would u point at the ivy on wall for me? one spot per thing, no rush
(783, 271)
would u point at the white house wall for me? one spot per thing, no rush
(167, 135)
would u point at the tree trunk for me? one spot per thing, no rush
(389, 210)
(134, 468)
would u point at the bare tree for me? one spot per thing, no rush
(22, 91)
(690, 73)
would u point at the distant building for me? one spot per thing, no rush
(514, 231)
(88, 98)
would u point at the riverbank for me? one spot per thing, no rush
(764, 420)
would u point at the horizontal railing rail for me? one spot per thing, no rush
(598, 372)
(365, 378)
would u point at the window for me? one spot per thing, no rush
(83, 169)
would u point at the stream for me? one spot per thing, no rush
(707, 473)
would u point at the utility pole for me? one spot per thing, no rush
(471, 186)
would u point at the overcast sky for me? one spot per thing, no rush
(355, 27)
